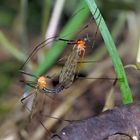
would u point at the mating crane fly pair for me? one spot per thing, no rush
(69, 69)
(66, 77)
(68, 72)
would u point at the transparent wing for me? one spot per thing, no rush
(34, 105)
(68, 71)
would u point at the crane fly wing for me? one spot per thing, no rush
(32, 112)
(38, 106)
(68, 71)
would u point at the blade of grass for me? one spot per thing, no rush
(10, 48)
(21, 28)
(138, 57)
(55, 19)
(71, 28)
(109, 43)
(45, 16)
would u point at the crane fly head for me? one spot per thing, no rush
(81, 44)
(42, 82)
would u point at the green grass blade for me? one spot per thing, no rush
(10, 48)
(109, 43)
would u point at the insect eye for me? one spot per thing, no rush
(87, 40)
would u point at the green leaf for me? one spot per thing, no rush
(110, 45)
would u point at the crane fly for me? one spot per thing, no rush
(68, 72)
(38, 86)
(69, 69)
(38, 104)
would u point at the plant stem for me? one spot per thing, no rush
(109, 43)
